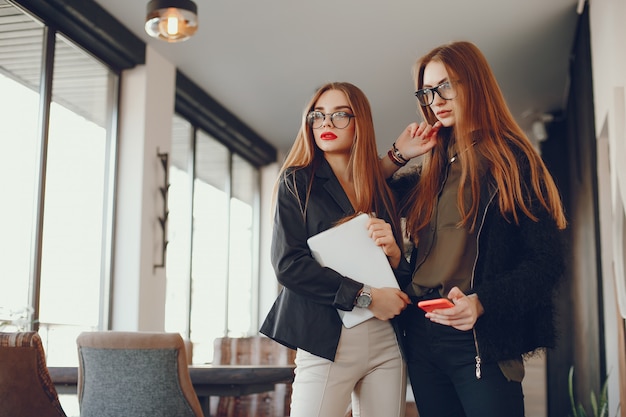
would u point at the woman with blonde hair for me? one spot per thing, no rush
(484, 216)
(330, 175)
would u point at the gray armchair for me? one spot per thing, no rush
(137, 374)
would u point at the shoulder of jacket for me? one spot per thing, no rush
(298, 175)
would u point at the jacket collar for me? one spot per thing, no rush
(333, 187)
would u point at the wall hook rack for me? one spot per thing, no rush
(164, 189)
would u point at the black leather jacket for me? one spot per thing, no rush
(305, 313)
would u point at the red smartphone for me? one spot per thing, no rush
(430, 305)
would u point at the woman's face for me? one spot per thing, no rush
(437, 80)
(328, 137)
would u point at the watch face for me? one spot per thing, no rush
(363, 300)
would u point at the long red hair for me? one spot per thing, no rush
(372, 192)
(484, 129)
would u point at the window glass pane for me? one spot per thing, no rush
(75, 200)
(209, 266)
(177, 265)
(241, 286)
(20, 68)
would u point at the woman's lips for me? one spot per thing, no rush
(328, 136)
(443, 113)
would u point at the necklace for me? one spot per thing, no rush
(456, 155)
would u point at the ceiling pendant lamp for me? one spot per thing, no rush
(171, 20)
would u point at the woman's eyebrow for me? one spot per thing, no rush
(439, 83)
(338, 108)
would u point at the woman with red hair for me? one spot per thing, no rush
(484, 217)
(330, 175)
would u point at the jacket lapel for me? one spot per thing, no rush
(333, 187)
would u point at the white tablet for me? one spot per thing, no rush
(348, 249)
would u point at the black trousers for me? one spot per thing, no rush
(442, 370)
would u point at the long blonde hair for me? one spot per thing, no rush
(484, 128)
(372, 192)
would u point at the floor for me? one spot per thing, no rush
(534, 385)
(411, 410)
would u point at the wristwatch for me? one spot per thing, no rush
(364, 299)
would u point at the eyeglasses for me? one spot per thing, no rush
(339, 119)
(426, 96)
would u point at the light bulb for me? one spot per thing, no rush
(171, 20)
(172, 25)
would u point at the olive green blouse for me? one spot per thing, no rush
(446, 252)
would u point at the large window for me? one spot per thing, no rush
(77, 198)
(59, 81)
(20, 69)
(57, 161)
(211, 262)
(178, 253)
(243, 250)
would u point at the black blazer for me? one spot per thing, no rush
(305, 313)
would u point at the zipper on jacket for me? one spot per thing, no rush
(477, 357)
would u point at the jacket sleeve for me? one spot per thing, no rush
(524, 262)
(402, 184)
(404, 271)
(293, 263)
(523, 266)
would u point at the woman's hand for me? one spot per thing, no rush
(417, 139)
(388, 302)
(380, 231)
(463, 316)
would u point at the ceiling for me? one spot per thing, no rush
(263, 60)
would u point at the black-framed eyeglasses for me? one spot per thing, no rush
(339, 119)
(426, 96)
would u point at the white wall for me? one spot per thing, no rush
(147, 106)
(608, 33)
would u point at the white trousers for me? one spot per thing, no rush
(368, 369)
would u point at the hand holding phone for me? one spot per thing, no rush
(430, 305)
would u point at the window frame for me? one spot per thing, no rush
(93, 29)
(230, 157)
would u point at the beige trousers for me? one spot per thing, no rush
(368, 370)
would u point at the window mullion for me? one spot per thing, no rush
(229, 196)
(45, 99)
